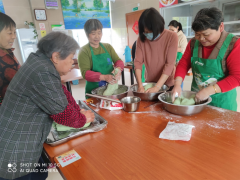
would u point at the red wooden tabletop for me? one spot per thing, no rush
(130, 147)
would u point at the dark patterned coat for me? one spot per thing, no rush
(34, 93)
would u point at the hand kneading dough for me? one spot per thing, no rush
(111, 87)
(146, 87)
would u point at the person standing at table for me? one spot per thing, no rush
(96, 59)
(213, 55)
(9, 64)
(157, 49)
(182, 40)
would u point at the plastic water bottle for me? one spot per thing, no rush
(128, 57)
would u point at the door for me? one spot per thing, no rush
(27, 42)
(131, 18)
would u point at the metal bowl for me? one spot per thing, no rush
(166, 99)
(99, 91)
(130, 103)
(148, 96)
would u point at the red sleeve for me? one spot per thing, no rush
(119, 63)
(185, 63)
(71, 116)
(92, 76)
(233, 79)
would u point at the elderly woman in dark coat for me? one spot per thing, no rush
(34, 99)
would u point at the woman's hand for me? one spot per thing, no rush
(88, 114)
(141, 89)
(176, 90)
(203, 94)
(108, 78)
(153, 89)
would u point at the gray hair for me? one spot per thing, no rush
(92, 25)
(58, 42)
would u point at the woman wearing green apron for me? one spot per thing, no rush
(97, 60)
(213, 55)
(176, 27)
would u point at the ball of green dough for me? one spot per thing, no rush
(177, 101)
(188, 102)
(146, 87)
(111, 87)
(86, 125)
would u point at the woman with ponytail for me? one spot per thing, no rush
(182, 40)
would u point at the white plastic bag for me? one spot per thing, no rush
(110, 105)
(177, 131)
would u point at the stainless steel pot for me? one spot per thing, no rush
(130, 103)
(166, 99)
(148, 96)
(99, 91)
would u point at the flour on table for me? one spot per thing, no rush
(221, 124)
(218, 109)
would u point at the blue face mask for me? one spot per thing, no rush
(149, 36)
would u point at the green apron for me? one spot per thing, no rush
(101, 63)
(208, 72)
(179, 56)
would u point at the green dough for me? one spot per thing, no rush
(111, 87)
(59, 127)
(146, 87)
(120, 90)
(177, 101)
(192, 96)
(184, 101)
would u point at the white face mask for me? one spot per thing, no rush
(149, 36)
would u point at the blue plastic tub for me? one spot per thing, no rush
(75, 82)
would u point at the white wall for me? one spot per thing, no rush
(22, 10)
(119, 8)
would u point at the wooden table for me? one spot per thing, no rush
(131, 75)
(130, 147)
(74, 74)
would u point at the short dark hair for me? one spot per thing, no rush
(207, 18)
(57, 42)
(153, 21)
(92, 25)
(176, 24)
(6, 22)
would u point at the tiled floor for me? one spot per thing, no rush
(78, 93)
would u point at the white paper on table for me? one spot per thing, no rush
(68, 158)
(177, 131)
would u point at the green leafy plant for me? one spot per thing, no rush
(98, 4)
(29, 23)
(34, 30)
(65, 3)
